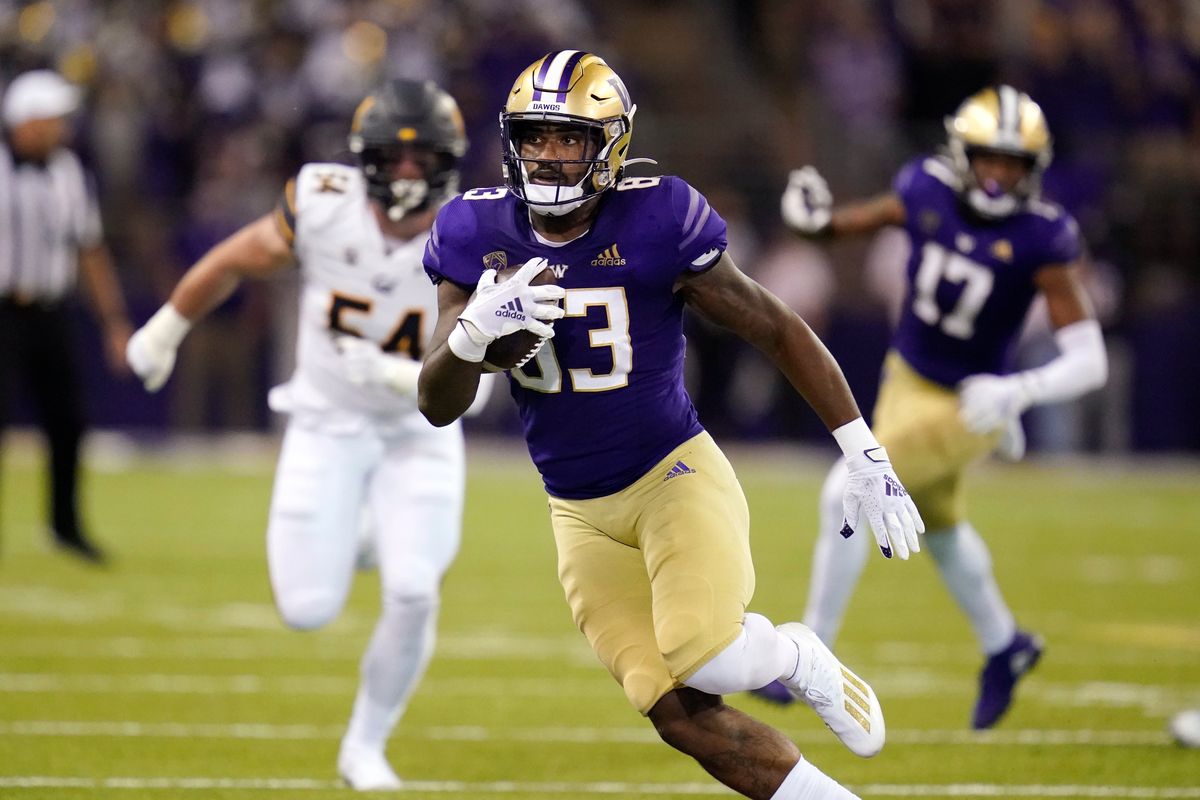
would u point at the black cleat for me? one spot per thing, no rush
(78, 546)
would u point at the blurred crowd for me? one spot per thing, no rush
(199, 110)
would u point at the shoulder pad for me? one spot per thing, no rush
(940, 168)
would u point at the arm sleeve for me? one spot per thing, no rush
(1080, 367)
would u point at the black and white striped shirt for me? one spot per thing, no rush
(46, 216)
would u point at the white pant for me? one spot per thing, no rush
(411, 484)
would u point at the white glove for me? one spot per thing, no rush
(873, 491)
(365, 364)
(150, 352)
(807, 205)
(990, 402)
(498, 309)
(1011, 446)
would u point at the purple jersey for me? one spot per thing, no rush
(604, 400)
(970, 282)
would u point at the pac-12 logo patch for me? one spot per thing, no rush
(496, 260)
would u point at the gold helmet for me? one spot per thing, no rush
(578, 90)
(1001, 120)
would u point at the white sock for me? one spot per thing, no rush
(754, 659)
(391, 668)
(837, 562)
(806, 782)
(966, 566)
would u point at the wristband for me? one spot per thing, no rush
(167, 326)
(855, 438)
(464, 346)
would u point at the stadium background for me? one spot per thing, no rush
(199, 110)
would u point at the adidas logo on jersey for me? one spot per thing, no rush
(512, 310)
(680, 468)
(610, 257)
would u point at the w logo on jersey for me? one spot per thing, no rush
(610, 257)
(558, 269)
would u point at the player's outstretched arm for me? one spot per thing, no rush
(807, 209)
(989, 402)
(257, 250)
(727, 297)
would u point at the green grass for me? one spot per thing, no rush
(169, 675)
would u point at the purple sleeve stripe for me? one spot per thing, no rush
(698, 228)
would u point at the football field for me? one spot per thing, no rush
(168, 675)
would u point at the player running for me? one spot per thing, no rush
(355, 442)
(984, 245)
(650, 522)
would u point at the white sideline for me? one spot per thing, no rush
(559, 735)
(601, 788)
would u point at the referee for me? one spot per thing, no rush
(50, 239)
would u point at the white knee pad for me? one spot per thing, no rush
(411, 579)
(757, 657)
(306, 610)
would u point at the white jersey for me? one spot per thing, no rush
(355, 281)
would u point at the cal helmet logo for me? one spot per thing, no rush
(496, 260)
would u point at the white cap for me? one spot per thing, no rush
(40, 94)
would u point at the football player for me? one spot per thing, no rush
(649, 520)
(984, 244)
(354, 438)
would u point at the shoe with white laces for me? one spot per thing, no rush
(844, 702)
(366, 770)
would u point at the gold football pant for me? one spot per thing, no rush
(917, 421)
(658, 575)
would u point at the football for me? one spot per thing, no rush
(509, 351)
(1185, 728)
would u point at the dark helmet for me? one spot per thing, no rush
(407, 113)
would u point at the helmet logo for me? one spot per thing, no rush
(407, 134)
(619, 85)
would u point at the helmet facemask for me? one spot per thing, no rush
(566, 90)
(547, 185)
(403, 196)
(988, 198)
